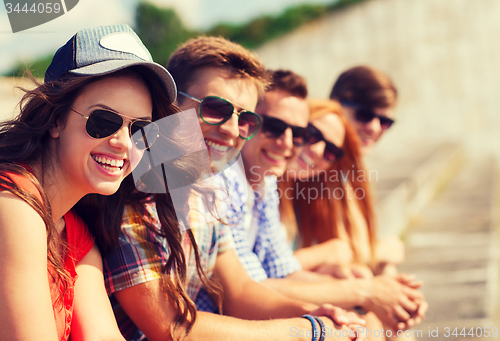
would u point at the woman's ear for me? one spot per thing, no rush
(55, 130)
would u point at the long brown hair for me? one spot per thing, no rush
(103, 215)
(23, 143)
(316, 221)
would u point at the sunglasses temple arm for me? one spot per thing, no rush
(189, 96)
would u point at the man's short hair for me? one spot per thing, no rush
(365, 85)
(202, 52)
(288, 81)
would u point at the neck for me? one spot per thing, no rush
(256, 181)
(62, 196)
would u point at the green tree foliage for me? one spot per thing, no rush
(267, 27)
(37, 68)
(162, 31)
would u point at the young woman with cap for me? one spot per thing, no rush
(81, 131)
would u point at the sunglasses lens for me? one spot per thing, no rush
(299, 136)
(214, 110)
(248, 123)
(274, 127)
(364, 115)
(332, 152)
(385, 122)
(144, 134)
(103, 123)
(313, 134)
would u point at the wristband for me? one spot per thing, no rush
(314, 326)
(322, 327)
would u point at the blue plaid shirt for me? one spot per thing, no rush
(271, 255)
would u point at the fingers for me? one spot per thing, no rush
(408, 305)
(401, 326)
(413, 294)
(422, 309)
(401, 314)
(353, 333)
(361, 272)
(339, 315)
(409, 280)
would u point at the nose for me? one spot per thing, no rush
(374, 126)
(285, 141)
(317, 150)
(121, 139)
(230, 127)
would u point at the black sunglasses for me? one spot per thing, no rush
(274, 128)
(332, 152)
(365, 114)
(103, 123)
(217, 110)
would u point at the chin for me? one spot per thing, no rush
(277, 171)
(107, 189)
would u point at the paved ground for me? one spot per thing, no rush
(452, 245)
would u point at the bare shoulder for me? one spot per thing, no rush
(20, 226)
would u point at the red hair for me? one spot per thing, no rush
(316, 221)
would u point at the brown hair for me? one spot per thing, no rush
(317, 221)
(365, 85)
(288, 81)
(103, 214)
(202, 52)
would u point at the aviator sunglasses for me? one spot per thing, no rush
(274, 128)
(103, 123)
(216, 110)
(365, 114)
(332, 152)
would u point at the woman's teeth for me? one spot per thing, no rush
(217, 146)
(109, 164)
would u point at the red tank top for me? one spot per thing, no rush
(79, 241)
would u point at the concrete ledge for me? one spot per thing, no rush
(399, 205)
(453, 247)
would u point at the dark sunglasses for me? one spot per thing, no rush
(274, 128)
(104, 123)
(365, 114)
(217, 110)
(332, 152)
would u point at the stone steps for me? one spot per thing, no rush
(409, 180)
(452, 246)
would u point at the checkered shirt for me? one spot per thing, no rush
(141, 253)
(270, 256)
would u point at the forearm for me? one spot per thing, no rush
(344, 293)
(210, 327)
(308, 257)
(258, 302)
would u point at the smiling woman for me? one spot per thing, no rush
(82, 131)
